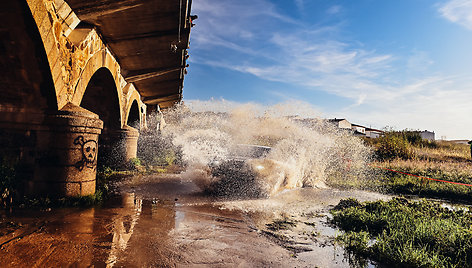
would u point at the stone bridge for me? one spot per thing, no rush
(78, 79)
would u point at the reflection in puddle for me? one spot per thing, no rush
(123, 226)
(90, 237)
(152, 227)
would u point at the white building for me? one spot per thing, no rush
(373, 133)
(340, 123)
(358, 130)
(427, 135)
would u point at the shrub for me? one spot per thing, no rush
(393, 145)
(414, 138)
(400, 144)
(157, 150)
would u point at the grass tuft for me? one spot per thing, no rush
(406, 233)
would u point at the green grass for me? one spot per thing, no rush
(404, 233)
(454, 171)
(102, 191)
(446, 161)
(407, 185)
(395, 183)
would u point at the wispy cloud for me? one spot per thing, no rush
(442, 105)
(458, 11)
(334, 9)
(303, 55)
(254, 37)
(300, 5)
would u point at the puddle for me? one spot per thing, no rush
(160, 221)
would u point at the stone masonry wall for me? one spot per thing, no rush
(75, 52)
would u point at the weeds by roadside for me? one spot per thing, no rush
(399, 144)
(405, 233)
(406, 152)
(449, 171)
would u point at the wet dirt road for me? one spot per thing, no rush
(163, 221)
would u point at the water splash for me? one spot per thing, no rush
(305, 151)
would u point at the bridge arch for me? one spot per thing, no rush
(101, 96)
(50, 29)
(134, 115)
(26, 83)
(135, 110)
(100, 61)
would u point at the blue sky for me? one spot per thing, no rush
(397, 63)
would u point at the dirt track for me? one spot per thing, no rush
(161, 221)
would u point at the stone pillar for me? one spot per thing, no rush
(67, 153)
(129, 139)
(119, 146)
(20, 129)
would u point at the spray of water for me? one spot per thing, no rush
(305, 152)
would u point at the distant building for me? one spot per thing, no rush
(460, 141)
(358, 130)
(427, 135)
(373, 133)
(340, 123)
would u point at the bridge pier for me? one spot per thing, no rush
(20, 130)
(52, 153)
(118, 146)
(129, 139)
(67, 153)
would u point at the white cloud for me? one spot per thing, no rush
(434, 107)
(254, 41)
(329, 65)
(458, 11)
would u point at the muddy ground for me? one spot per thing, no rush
(164, 221)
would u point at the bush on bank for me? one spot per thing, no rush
(405, 233)
(393, 146)
(399, 144)
(405, 151)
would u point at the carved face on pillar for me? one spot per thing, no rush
(90, 151)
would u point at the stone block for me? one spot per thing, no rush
(55, 63)
(44, 26)
(64, 11)
(72, 189)
(49, 41)
(58, 4)
(72, 21)
(88, 188)
(66, 30)
(37, 8)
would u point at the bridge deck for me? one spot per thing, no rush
(149, 38)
